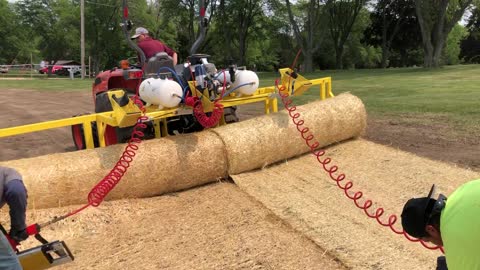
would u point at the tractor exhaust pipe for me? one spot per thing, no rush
(126, 27)
(203, 24)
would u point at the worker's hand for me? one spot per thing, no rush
(19, 236)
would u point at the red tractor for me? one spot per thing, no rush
(130, 77)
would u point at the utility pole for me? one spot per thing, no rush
(82, 37)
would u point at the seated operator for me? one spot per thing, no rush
(150, 46)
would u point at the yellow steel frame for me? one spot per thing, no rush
(122, 116)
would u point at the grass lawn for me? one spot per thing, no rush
(451, 93)
(46, 84)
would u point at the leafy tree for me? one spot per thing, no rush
(451, 53)
(436, 19)
(104, 40)
(57, 24)
(244, 15)
(14, 44)
(342, 15)
(178, 22)
(357, 54)
(305, 26)
(390, 18)
(237, 29)
(470, 47)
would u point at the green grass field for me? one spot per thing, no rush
(46, 84)
(452, 92)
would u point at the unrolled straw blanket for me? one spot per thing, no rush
(180, 162)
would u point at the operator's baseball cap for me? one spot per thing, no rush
(139, 31)
(415, 214)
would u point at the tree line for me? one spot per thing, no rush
(260, 34)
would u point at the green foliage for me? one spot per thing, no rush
(394, 28)
(358, 55)
(254, 33)
(57, 25)
(470, 47)
(104, 39)
(342, 16)
(256, 44)
(436, 19)
(451, 52)
(15, 46)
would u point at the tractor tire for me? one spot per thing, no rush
(230, 114)
(78, 135)
(102, 103)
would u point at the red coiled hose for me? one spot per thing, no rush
(339, 177)
(101, 190)
(199, 113)
(197, 106)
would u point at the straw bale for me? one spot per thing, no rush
(160, 166)
(260, 141)
(180, 162)
(302, 194)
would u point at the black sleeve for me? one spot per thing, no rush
(16, 197)
(441, 263)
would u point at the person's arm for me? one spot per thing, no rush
(175, 58)
(16, 197)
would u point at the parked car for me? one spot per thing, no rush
(56, 69)
(3, 69)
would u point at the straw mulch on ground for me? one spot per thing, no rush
(212, 227)
(301, 193)
(290, 215)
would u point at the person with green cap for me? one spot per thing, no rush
(453, 223)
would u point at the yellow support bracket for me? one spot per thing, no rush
(293, 83)
(125, 111)
(204, 97)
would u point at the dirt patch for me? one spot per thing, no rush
(21, 107)
(429, 136)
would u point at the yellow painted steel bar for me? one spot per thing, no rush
(5, 132)
(325, 87)
(263, 94)
(88, 135)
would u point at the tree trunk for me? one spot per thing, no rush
(435, 31)
(385, 54)
(437, 53)
(403, 58)
(307, 61)
(339, 57)
(308, 44)
(242, 49)
(427, 55)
